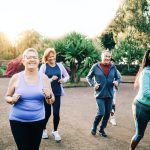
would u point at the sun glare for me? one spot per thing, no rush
(56, 18)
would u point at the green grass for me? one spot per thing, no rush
(80, 84)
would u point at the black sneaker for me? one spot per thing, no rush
(102, 133)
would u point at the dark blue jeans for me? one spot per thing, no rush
(142, 117)
(104, 107)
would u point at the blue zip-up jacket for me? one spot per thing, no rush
(97, 76)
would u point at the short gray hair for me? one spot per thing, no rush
(29, 50)
(104, 51)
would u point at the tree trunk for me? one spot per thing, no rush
(73, 69)
(79, 75)
(128, 67)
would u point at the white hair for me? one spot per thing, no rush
(29, 50)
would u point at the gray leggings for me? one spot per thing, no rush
(142, 117)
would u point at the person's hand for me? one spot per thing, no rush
(50, 100)
(14, 99)
(48, 96)
(115, 84)
(54, 77)
(96, 86)
(61, 81)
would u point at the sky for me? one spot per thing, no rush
(54, 18)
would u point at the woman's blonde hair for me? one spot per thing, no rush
(46, 54)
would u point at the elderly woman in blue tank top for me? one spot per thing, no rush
(26, 92)
(57, 75)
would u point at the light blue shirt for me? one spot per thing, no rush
(143, 95)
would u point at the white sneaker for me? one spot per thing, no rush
(113, 121)
(56, 136)
(45, 134)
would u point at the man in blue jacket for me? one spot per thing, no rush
(103, 76)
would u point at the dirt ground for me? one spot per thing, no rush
(77, 113)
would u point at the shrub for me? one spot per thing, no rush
(14, 66)
(123, 68)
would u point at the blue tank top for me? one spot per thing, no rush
(30, 106)
(50, 71)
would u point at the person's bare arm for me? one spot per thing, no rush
(47, 90)
(9, 96)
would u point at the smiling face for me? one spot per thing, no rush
(30, 60)
(106, 57)
(51, 58)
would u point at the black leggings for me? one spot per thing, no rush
(56, 111)
(27, 135)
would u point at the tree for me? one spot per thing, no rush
(59, 45)
(107, 40)
(5, 47)
(78, 51)
(128, 51)
(133, 14)
(27, 39)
